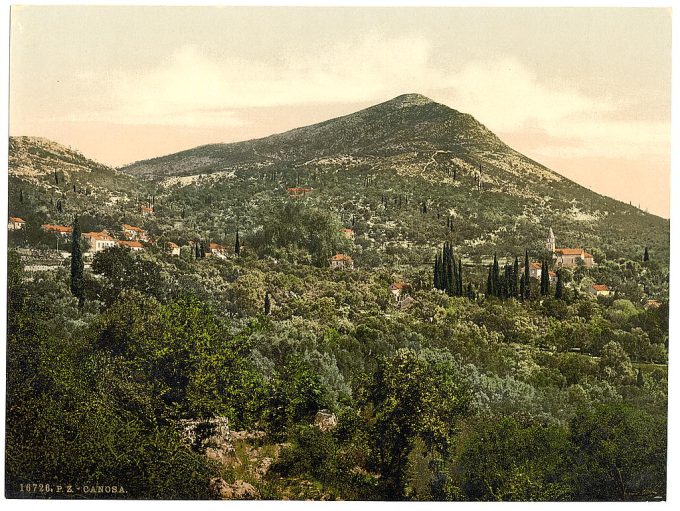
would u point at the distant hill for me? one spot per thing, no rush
(424, 152)
(406, 175)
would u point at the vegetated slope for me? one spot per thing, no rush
(380, 165)
(50, 183)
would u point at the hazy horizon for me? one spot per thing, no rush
(584, 91)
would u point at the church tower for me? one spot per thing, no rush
(550, 241)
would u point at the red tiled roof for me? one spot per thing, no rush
(535, 265)
(132, 228)
(600, 287)
(569, 251)
(17, 220)
(215, 246)
(398, 285)
(586, 255)
(552, 274)
(57, 228)
(98, 236)
(341, 257)
(130, 244)
(172, 245)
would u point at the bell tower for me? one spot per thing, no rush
(550, 242)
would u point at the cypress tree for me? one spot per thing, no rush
(21, 196)
(77, 265)
(197, 252)
(515, 276)
(470, 292)
(645, 258)
(558, 286)
(522, 291)
(640, 380)
(495, 276)
(237, 245)
(436, 280)
(527, 287)
(460, 277)
(489, 283)
(267, 304)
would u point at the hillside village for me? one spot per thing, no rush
(355, 310)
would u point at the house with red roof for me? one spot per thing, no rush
(14, 223)
(62, 230)
(568, 257)
(133, 245)
(99, 241)
(134, 233)
(599, 290)
(341, 261)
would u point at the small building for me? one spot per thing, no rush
(571, 257)
(347, 233)
(568, 257)
(535, 269)
(297, 193)
(14, 223)
(552, 277)
(599, 290)
(217, 250)
(652, 304)
(341, 261)
(173, 248)
(134, 233)
(62, 230)
(397, 289)
(133, 245)
(146, 211)
(99, 241)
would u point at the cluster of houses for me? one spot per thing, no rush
(567, 258)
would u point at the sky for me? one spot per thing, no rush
(584, 91)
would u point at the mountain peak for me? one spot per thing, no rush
(412, 99)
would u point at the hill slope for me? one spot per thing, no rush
(381, 164)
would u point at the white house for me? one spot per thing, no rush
(134, 233)
(341, 261)
(99, 241)
(14, 223)
(599, 290)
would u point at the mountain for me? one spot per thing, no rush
(407, 124)
(406, 175)
(481, 194)
(49, 183)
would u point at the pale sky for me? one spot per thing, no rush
(586, 92)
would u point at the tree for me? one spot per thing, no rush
(527, 287)
(495, 277)
(413, 396)
(21, 196)
(237, 245)
(504, 460)
(645, 258)
(558, 286)
(267, 304)
(77, 265)
(640, 380)
(618, 453)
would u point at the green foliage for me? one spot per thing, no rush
(295, 230)
(504, 460)
(619, 454)
(413, 396)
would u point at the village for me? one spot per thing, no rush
(136, 239)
